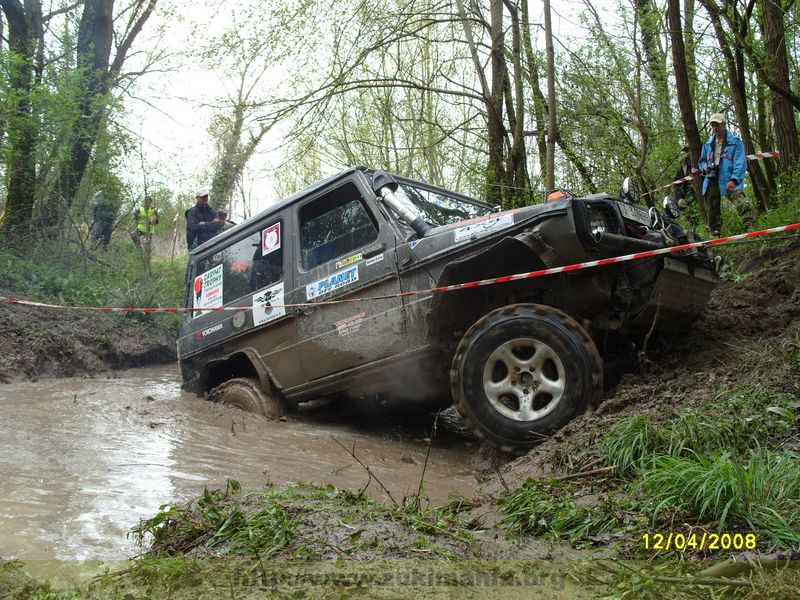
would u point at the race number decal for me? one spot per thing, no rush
(271, 239)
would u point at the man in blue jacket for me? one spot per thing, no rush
(723, 162)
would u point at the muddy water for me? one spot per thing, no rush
(82, 460)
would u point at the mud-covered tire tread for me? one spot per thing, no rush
(511, 310)
(247, 394)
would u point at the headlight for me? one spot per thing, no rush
(600, 220)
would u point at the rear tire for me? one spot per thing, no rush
(522, 372)
(247, 394)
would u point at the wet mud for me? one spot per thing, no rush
(82, 460)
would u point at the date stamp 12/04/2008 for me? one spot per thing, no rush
(700, 542)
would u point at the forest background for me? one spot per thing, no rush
(487, 98)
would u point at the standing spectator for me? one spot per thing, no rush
(202, 221)
(104, 213)
(723, 162)
(146, 221)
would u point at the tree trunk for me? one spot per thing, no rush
(496, 130)
(539, 102)
(21, 124)
(765, 139)
(655, 58)
(551, 99)
(93, 55)
(517, 162)
(777, 64)
(683, 90)
(736, 80)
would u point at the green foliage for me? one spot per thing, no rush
(763, 492)
(745, 419)
(550, 509)
(220, 520)
(60, 272)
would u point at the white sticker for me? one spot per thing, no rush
(271, 239)
(268, 304)
(483, 227)
(208, 290)
(348, 261)
(374, 259)
(333, 282)
(350, 324)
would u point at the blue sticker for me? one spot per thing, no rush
(331, 283)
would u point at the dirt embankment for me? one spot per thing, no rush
(45, 342)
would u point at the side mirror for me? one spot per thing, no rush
(670, 208)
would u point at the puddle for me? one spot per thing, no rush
(82, 460)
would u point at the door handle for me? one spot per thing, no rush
(373, 250)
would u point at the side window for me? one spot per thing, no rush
(242, 268)
(333, 225)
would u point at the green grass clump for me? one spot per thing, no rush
(763, 492)
(544, 508)
(220, 520)
(749, 418)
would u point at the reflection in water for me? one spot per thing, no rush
(82, 460)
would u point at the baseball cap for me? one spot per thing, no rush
(717, 118)
(201, 193)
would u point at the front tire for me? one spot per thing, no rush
(522, 372)
(247, 394)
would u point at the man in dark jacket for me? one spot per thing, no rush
(202, 221)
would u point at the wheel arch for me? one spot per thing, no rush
(452, 313)
(242, 363)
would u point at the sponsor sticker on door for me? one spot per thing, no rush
(208, 290)
(334, 282)
(268, 304)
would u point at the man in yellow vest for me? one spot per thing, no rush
(146, 221)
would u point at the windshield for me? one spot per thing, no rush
(437, 208)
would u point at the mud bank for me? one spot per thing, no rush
(45, 342)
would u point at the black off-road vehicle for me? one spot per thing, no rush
(328, 280)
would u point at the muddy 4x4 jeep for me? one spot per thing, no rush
(328, 280)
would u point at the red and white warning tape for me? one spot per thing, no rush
(448, 288)
(757, 156)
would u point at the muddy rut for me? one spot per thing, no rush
(84, 459)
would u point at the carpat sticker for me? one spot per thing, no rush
(483, 227)
(348, 261)
(268, 304)
(374, 259)
(336, 281)
(208, 290)
(350, 324)
(271, 239)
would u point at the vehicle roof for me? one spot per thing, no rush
(307, 191)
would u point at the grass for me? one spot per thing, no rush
(762, 491)
(734, 422)
(220, 522)
(62, 273)
(549, 509)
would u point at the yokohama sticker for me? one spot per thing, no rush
(271, 239)
(264, 310)
(334, 282)
(483, 227)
